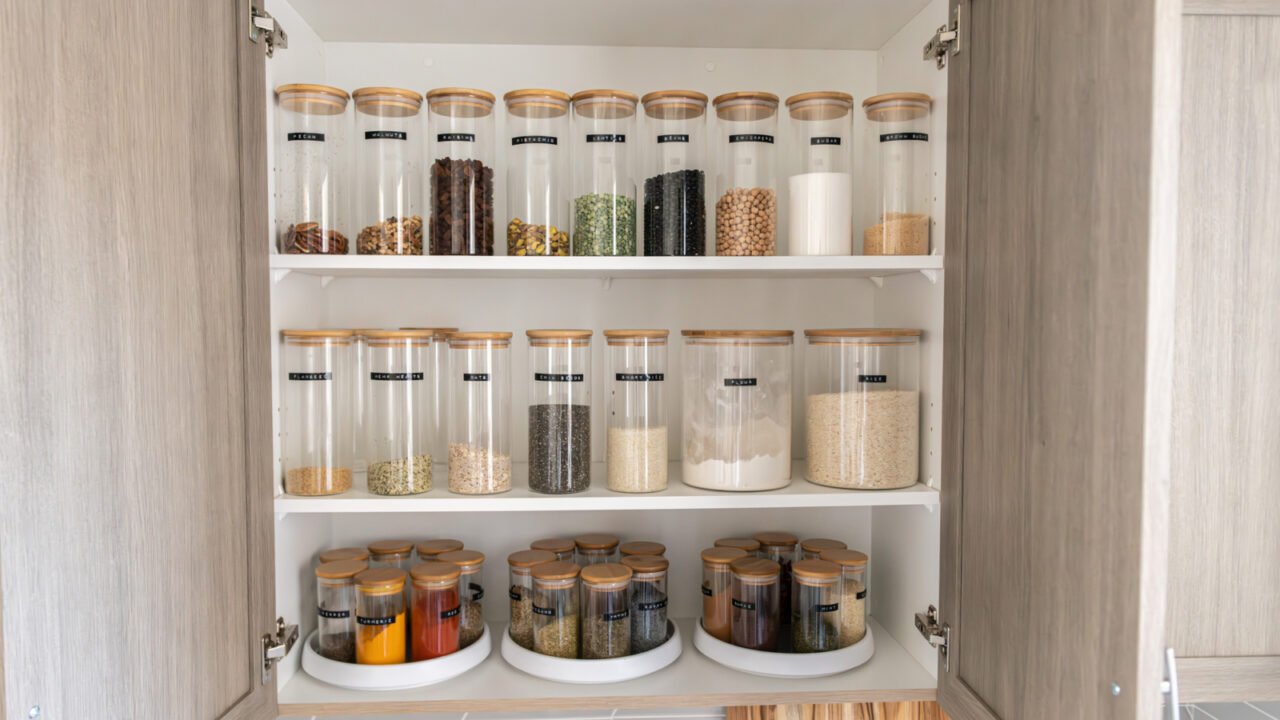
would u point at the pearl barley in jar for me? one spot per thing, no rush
(747, 211)
(898, 141)
(636, 447)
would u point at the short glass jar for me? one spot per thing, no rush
(595, 548)
(559, 411)
(562, 548)
(641, 547)
(381, 624)
(756, 604)
(555, 609)
(717, 594)
(636, 447)
(750, 545)
(648, 601)
(460, 127)
(862, 408)
(604, 188)
(813, 548)
(480, 413)
(345, 553)
(336, 608)
(398, 411)
(431, 550)
(675, 191)
(537, 160)
(471, 566)
(820, 195)
(435, 622)
(815, 606)
(391, 553)
(311, 131)
(898, 145)
(520, 566)
(606, 611)
(780, 547)
(315, 412)
(853, 593)
(747, 208)
(388, 171)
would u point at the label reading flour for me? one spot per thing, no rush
(824, 141)
(739, 382)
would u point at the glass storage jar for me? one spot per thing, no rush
(397, 420)
(675, 194)
(562, 547)
(813, 548)
(435, 621)
(431, 550)
(480, 413)
(559, 411)
(820, 195)
(853, 593)
(717, 595)
(780, 547)
(606, 611)
(345, 553)
(604, 189)
(756, 605)
(750, 545)
(555, 609)
(520, 566)
(636, 442)
(311, 130)
(641, 547)
(315, 411)
(595, 548)
(471, 565)
(862, 408)
(648, 601)
(335, 608)
(391, 553)
(360, 397)
(460, 127)
(737, 409)
(381, 626)
(537, 159)
(388, 171)
(747, 208)
(438, 412)
(898, 140)
(815, 606)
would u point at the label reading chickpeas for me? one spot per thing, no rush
(894, 137)
(873, 378)
(824, 141)
(310, 137)
(558, 377)
(395, 376)
(606, 137)
(311, 376)
(739, 382)
(385, 135)
(639, 377)
(751, 137)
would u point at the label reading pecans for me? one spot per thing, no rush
(873, 378)
(606, 137)
(475, 377)
(549, 612)
(477, 592)
(385, 135)
(673, 138)
(395, 376)
(655, 605)
(455, 137)
(743, 605)
(824, 141)
(894, 137)
(706, 591)
(333, 614)
(311, 137)
(375, 620)
(311, 376)
(751, 137)
(620, 615)
(535, 140)
(826, 608)
(739, 382)
(558, 377)
(446, 614)
(639, 377)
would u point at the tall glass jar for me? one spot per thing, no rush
(360, 398)
(520, 566)
(862, 408)
(820, 195)
(604, 188)
(853, 593)
(737, 409)
(813, 548)
(636, 447)
(344, 553)
(315, 411)
(562, 548)
(311, 134)
(537, 159)
(648, 601)
(717, 595)
(381, 624)
(555, 609)
(780, 547)
(606, 611)
(815, 606)
(398, 420)
(336, 608)
(460, 123)
(431, 550)
(471, 565)
(388, 171)
(675, 192)
(559, 411)
(435, 620)
(438, 413)
(637, 548)
(595, 548)
(756, 604)
(391, 553)
(750, 545)
(747, 208)
(898, 145)
(480, 413)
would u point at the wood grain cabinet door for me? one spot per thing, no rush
(1061, 210)
(136, 549)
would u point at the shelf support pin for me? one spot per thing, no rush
(279, 274)
(606, 282)
(932, 275)
(325, 280)
(876, 280)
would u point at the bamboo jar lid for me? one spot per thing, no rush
(605, 104)
(559, 338)
(818, 545)
(381, 581)
(554, 545)
(642, 547)
(723, 555)
(674, 104)
(558, 570)
(608, 575)
(390, 547)
(645, 564)
(754, 567)
(636, 337)
(346, 553)
(748, 544)
(310, 99)
(434, 571)
(596, 541)
(432, 548)
(777, 539)
(468, 560)
(530, 558)
(341, 569)
(537, 103)
(815, 572)
(846, 558)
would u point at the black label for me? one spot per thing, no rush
(751, 137)
(558, 377)
(375, 621)
(826, 608)
(655, 605)
(606, 137)
(385, 135)
(893, 137)
(706, 591)
(824, 141)
(535, 140)
(743, 605)
(313, 137)
(620, 615)
(549, 612)
(639, 377)
(455, 137)
(475, 377)
(311, 376)
(862, 594)
(672, 138)
(739, 382)
(477, 592)
(515, 595)
(335, 614)
(873, 378)
(446, 614)
(395, 376)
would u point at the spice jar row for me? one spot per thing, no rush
(601, 192)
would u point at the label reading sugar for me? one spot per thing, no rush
(826, 608)
(549, 612)
(862, 594)
(743, 605)
(475, 377)
(824, 141)
(311, 376)
(873, 378)
(375, 620)
(673, 138)
(558, 377)
(620, 615)
(751, 137)
(535, 140)
(385, 135)
(446, 614)
(739, 382)
(455, 137)
(706, 591)
(311, 137)
(333, 614)
(606, 137)
(894, 137)
(639, 377)
(395, 376)
(477, 592)
(655, 605)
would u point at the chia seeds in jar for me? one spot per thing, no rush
(648, 601)
(559, 411)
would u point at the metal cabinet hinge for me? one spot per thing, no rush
(275, 647)
(946, 41)
(938, 634)
(265, 28)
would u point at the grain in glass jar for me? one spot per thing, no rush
(820, 195)
(391, 553)
(737, 409)
(336, 608)
(853, 593)
(559, 411)
(537, 161)
(471, 564)
(315, 412)
(388, 171)
(431, 550)
(595, 548)
(780, 547)
(381, 624)
(435, 622)
(480, 413)
(520, 566)
(675, 194)
(641, 547)
(750, 545)
(460, 127)
(648, 601)
(438, 412)
(815, 606)
(604, 188)
(636, 447)
(311, 130)
(562, 547)
(555, 609)
(898, 146)
(344, 553)
(606, 611)
(862, 408)
(747, 208)
(398, 406)
(756, 604)
(813, 548)
(717, 591)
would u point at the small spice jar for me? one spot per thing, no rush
(675, 200)
(780, 547)
(648, 601)
(480, 413)
(813, 548)
(862, 407)
(381, 626)
(562, 548)
(537, 160)
(595, 548)
(750, 545)
(399, 449)
(520, 566)
(717, 608)
(898, 143)
(853, 593)
(559, 411)
(470, 563)
(345, 553)
(460, 127)
(604, 189)
(754, 618)
(311, 133)
(606, 611)
(388, 171)
(636, 447)
(391, 553)
(315, 412)
(815, 606)
(435, 621)
(438, 411)
(555, 609)
(431, 550)
(336, 608)
(820, 210)
(747, 211)
(641, 547)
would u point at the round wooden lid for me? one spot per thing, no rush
(460, 92)
(557, 570)
(319, 334)
(462, 558)
(309, 99)
(642, 547)
(595, 541)
(606, 574)
(738, 333)
(776, 539)
(431, 548)
(605, 104)
(755, 567)
(462, 337)
(847, 558)
(340, 569)
(818, 545)
(529, 558)
(904, 97)
(434, 330)
(533, 94)
(815, 570)
(392, 335)
(748, 544)
(646, 563)
(346, 553)
(387, 101)
(537, 103)
(460, 102)
(746, 106)
(555, 545)
(630, 337)
(832, 95)
(434, 572)
(383, 577)
(390, 547)
(864, 332)
(897, 107)
(674, 104)
(366, 93)
(764, 97)
(605, 94)
(723, 555)
(563, 334)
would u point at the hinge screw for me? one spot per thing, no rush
(33, 712)
(1115, 689)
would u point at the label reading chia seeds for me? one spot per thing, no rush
(824, 141)
(475, 377)
(446, 614)
(549, 612)
(455, 137)
(534, 140)
(620, 615)
(827, 608)
(655, 605)
(739, 382)
(606, 137)
(311, 376)
(743, 605)
(375, 620)
(873, 378)
(334, 614)
(673, 138)
(751, 137)
(558, 377)
(395, 376)
(385, 135)
(639, 377)
(894, 137)
(312, 137)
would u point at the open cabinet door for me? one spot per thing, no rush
(1061, 208)
(137, 550)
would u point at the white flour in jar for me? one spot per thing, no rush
(765, 462)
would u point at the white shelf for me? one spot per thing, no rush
(677, 496)
(693, 680)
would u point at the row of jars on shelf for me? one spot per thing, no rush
(423, 395)
(601, 199)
